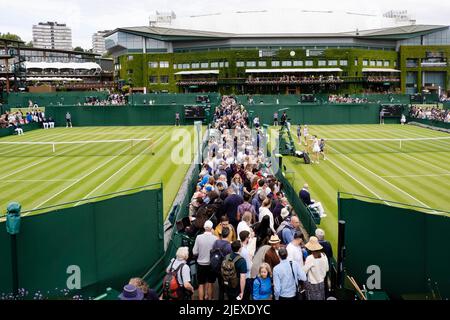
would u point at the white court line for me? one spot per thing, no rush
(123, 167)
(358, 181)
(38, 180)
(418, 175)
(384, 180)
(86, 175)
(366, 187)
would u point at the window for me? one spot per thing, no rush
(332, 62)
(344, 63)
(204, 65)
(262, 63)
(240, 64)
(365, 63)
(411, 63)
(386, 63)
(214, 64)
(227, 64)
(356, 62)
(298, 63)
(379, 63)
(372, 63)
(195, 65)
(322, 63)
(153, 79)
(164, 79)
(395, 64)
(286, 63)
(186, 66)
(130, 71)
(153, 64)
(174, 66)
(251, 63)
(221, 65)
(130, 58)
(275, 63)
(164, 64)
(309, 63)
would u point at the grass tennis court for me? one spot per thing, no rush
(38, 176)
(418, 173)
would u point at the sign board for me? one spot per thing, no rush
(314, 53)
(267, 53)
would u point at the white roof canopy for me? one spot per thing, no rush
(62, 65)
(379, 70)
(293, 70)
(198, 72)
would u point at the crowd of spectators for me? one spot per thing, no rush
(112, 99)
(17, 119)
(345, 99)
(197, 82)
(430, 113)
(248, 241)
(444, 98)
(294, 80)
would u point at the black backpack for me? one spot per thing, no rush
(216, 257)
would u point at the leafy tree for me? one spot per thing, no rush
(10, 36)
(80, 49)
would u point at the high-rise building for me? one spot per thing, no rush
(98, 42)
(52, 35)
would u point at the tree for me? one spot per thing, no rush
(80, 49)
(10, 36)
(29, 44)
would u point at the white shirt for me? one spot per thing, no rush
(316, 269)
(295, 253)
(263, 211)
(245, 254)
(243, 226)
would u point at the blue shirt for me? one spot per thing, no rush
(262, 288)
(288, 234)
(283, 280)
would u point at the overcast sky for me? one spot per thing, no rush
(87, 16)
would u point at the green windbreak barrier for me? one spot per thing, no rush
(433, 123)
(26, 127)
(118, 115)
(52, 98)
(171, 98)
(319, 114)
(110, 241)
(409, 247)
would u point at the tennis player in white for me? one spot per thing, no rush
(316, 149)
(305, 133)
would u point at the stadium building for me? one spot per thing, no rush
(403, 59)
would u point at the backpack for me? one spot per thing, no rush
(280, 229)
(229, 273)
(172, 290)
(216, 257)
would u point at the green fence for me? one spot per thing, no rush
(171, 98)
(409, 247)
(319, 114)
(26, 127)
(138, 115)
(109, 240)
(432, 123)
(52, 98)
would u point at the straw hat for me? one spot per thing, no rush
(274, 240)
(313, 244)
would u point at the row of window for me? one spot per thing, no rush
(202, 65)
(162, 79)
(376, 63)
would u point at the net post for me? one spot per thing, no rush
(400, 143)
(53, 147)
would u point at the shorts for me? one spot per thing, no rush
(205, 274)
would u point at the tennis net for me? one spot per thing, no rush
(405, 145)
(75, 148)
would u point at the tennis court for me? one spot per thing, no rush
(412, 166)
(54, 166)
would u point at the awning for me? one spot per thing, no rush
(52, 79)
(198, 72)
(62, 65)
(379, 70)
(293, 70)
